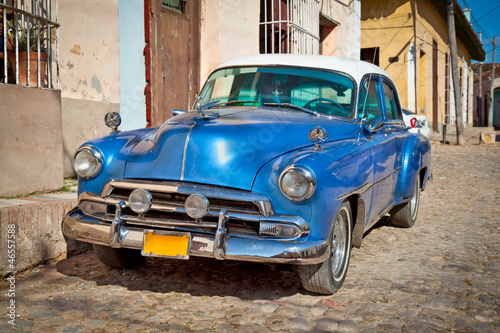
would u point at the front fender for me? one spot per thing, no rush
(339, 168)
(115, 148)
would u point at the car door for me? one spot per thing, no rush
(384, 146)
(393, 118)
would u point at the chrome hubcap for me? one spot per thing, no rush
(339, 241)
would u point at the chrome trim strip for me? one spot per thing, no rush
(359, 190)
(185, 149)
(166, 223)
(87, 229)
(365, 187)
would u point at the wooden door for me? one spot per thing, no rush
(175, 56)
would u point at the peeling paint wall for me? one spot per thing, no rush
(89, 70)
(89, 54)
(347, 13)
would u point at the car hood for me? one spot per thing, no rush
(227, 150)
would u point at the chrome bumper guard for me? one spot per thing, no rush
(118, 234)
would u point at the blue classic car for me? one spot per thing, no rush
(284, 159)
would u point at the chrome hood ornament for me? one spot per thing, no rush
(317, 136)
(113, 121)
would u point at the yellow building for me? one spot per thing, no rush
(409, 39)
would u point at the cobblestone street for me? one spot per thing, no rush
(442, 275)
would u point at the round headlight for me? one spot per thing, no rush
(196, 206)
(88, 161)
(140, 201)
(297, 183)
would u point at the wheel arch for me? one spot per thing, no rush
(423, 178)
(358, 218)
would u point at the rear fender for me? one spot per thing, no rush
(410, 167)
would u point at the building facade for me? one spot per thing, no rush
(482, 89)
(409, 39)
(142, 58)
(188, 39)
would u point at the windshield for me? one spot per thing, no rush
(296, 89)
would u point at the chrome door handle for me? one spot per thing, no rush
(389, 130)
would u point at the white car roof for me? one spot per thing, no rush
(355, 68)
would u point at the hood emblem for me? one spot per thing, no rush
(317, 136)
(113, 120)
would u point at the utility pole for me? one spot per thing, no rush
(454, 67)
(480, 93)
(481, 119)
(492, 87)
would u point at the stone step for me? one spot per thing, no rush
(35, 223)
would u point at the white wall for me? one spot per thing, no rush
(132, 66)
(229, 28)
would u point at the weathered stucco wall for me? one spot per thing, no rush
(30, 140)
(229, 29)
(347, 14)
(89, 65)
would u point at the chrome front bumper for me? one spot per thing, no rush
(117, 234)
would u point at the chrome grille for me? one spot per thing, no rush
(244, 208)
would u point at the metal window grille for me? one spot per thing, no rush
(29, 40)
(178, 6)
(290, 26)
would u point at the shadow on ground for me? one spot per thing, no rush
(197, 276)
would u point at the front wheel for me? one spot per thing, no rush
(118, 258)
(328, 276)
(405, 215)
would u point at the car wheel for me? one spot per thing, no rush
(405, 215)
(328, 276)
(118, 258)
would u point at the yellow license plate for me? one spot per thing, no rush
(163, 244)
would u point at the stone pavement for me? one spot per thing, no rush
(442, 275)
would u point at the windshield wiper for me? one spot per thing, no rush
(211, 105)
(292, 106)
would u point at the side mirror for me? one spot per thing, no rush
(374, 125)
(177, 112)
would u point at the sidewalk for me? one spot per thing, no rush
(36, 222)
(471, 135)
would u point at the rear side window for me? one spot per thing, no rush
(392, 110)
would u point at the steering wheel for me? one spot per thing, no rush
(329, 101)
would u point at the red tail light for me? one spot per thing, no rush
(413, 122)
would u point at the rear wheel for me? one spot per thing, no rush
(118, 258)
(328, 276)
(405, 215)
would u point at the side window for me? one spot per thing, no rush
(369, 106)
(392, 109)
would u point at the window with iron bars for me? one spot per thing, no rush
(289, 26)
(29, 43)
(178, 6)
